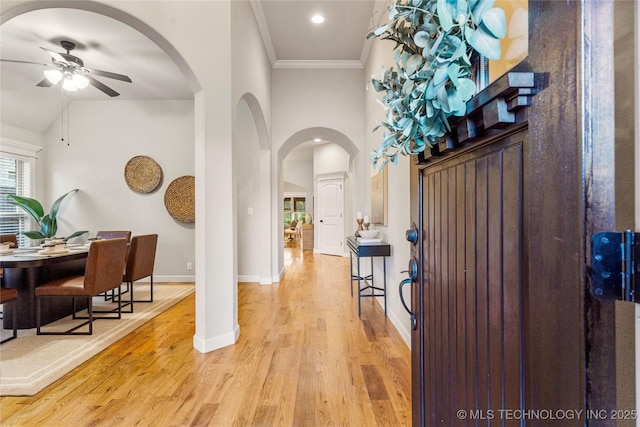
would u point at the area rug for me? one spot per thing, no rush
(31, 362)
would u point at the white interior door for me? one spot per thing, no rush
(330, 221)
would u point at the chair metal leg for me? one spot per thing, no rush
(72, 330)
(116, 298)
(150, 291)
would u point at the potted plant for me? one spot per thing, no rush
(435, 42)
(48, 222)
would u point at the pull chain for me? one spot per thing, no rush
(68, 120)
(62, 117)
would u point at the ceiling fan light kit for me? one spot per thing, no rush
(53, 75)
(71, 70)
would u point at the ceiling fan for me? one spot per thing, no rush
(71, 70)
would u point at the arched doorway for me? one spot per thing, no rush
(335, 153)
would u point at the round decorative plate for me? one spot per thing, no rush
(180, 199)
(143, 174)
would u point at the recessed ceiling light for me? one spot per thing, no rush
(317, 140)
(317, 19)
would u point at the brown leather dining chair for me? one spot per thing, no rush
(114, 234)
(103, 272)
(10, 296)
(140, 262)
(4, 238)
(11, 238)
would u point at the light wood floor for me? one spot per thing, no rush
(304, 358)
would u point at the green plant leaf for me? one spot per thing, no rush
(380, 30)
(413, 63)
(479, 8)
(56, 205)
(48, 226)
(446, 22)
(440, 76)
(422, 39)
(75, 234)
(495, 22)
(35, 235)
(30, 206)
(466, 89)
(453, 71)
(482, 41)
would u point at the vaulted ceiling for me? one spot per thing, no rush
(290, 39)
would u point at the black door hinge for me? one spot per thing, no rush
(613, 265)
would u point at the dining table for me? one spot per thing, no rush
(24, 269)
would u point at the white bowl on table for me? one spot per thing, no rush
(369, 234)
(5, 247)
(57, 248)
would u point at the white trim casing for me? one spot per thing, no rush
(17, 148)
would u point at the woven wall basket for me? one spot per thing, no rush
(179, 199)
(142, 174)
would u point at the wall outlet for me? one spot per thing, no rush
(250, 211)
(189, 266)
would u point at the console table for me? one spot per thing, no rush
(369, 250)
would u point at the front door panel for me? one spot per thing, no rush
(473, 284)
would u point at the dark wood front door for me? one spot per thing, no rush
(473, 309)
(507, 331)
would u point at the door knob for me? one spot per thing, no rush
(412, 234)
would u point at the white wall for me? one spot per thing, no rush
(329, 158)
(102, 136)
(251, 82)
(299, 173)
(21, 135)
(246, 162)
(398, 194)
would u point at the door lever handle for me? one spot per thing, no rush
(414, 321)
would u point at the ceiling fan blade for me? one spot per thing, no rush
(45, 83)
(55, 55)
(23, 62)
(109, 74)
(99, 85)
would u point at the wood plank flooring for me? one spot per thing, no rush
(303, 358)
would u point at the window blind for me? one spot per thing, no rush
(15, 178)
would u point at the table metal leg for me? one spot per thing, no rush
(372, 281)
(384, 275)
(359, 285)
(351, 272)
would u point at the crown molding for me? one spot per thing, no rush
(318, 64)
(258, 13)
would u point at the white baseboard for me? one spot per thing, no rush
(404, 333)
(214, 343)
(276, 279)
(248, 279)
(266, 281)
(397, 323)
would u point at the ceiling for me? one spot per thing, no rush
(291, 40)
